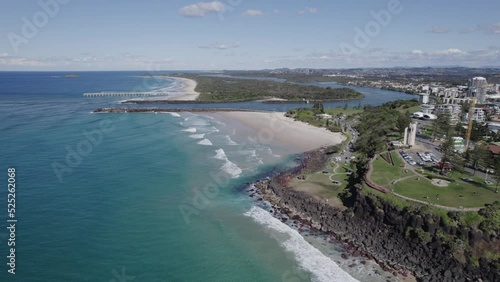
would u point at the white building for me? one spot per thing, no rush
(478, 115)
(475, 84)
(425, 98)
(418, 115)
(429, 117)
(410, 134)
(494, 126)
(427, 109)
(458, 144)
(454, 110)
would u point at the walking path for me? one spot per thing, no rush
(372, 184)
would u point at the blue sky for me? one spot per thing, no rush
(246, 34)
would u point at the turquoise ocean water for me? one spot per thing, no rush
(143, 197)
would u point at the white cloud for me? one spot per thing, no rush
(312, 10)
(387, 58)
(106, 62)
(4, 54)
(439, 29)
(492, 28)
(276, 11)
(451, 51)
(201, 9)
(253, 13)
(220, 46)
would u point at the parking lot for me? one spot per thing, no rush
(417, 157)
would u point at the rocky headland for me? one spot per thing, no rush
(403, 239)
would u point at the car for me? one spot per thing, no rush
(487, 182)
(421, 163)
(412, 162)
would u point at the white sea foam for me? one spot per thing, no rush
(175, 114)
(220, 154)
(200, 122)
(191, 130)
(228, 167)
(270, 152)
(214, 129)
(197, 136)
(229, 141)
(232, 169)
(205, 142)
(309, 258)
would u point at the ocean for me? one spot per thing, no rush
(146, 197)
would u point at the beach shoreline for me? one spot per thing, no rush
(188, 89)
(287, 135)
(284, 134)
(189, 86)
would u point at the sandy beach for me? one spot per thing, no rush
(274, 128)
(189, 89)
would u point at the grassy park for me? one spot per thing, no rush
(384, 172)
(320, 184)
(457, 193)
(472, 193)
(342, 111)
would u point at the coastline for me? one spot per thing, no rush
(373, 228)
(271, 128)
(189, 90)
(289, 204)
(287, 135)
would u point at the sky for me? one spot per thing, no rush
(246, 34)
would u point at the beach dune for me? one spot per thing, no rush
(288, 135)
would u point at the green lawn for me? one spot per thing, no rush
(319, 185)
(337, 111)
(411, 109)
(383, 172)
(458, 193)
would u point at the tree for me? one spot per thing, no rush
(478, 156)
(345, 106)
(441, 125)
(496, 168)
(318, 106)
(465, 108)
(403, 121)
(447, 148)
(460, 130)
(478, 131)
